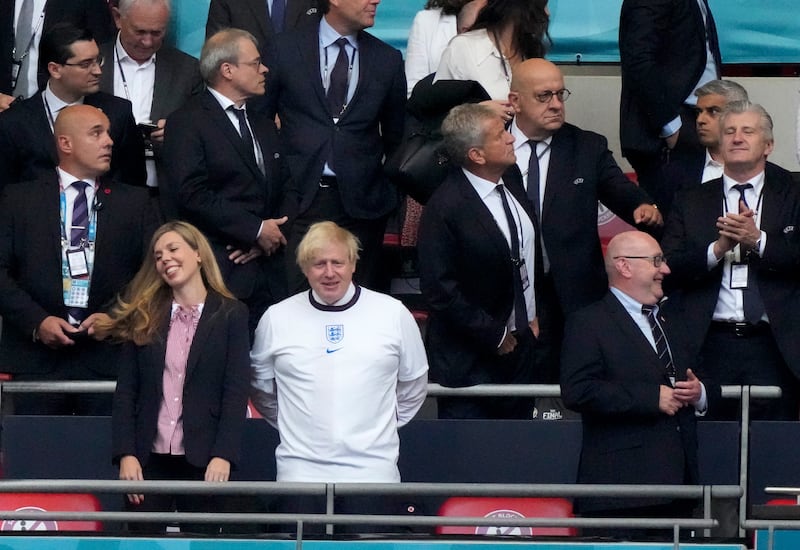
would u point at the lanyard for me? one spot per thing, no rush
(122, 74)
(76, 289)
(325, 77)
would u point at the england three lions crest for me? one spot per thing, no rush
(334, 333)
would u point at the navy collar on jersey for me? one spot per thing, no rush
(342, 307)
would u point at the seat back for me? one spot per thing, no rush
(49, 502)
(494, 507)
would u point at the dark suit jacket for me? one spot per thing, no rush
(214, 183)
(690, 228)
(467, 281)
(251, 15)
(371, 127)
(582, 171)
(662, 54)
(30, 268)
(214, 391)
(91, 14)
(28, 148)
(611, 375)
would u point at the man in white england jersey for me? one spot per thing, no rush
(337, 369)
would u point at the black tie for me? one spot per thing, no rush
(713, 39)
(520, 308)
(751, 298)
(337, 87)
(277, 14)
(244, 129)
(662, 349)
(533, 180)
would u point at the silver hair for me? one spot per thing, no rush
(739, 107)
(221, 47)
(730, 90)
(124, 6)
(464, 128)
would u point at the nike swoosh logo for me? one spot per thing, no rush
(329, 350)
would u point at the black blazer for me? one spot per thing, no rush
(662, 48)
(28, 148)
(251, 15)
(582, 171)
(466, 277)
(691, 226)
(370, 128)
(30, 267)
(214, 392)
(214, 183)
(611, 375)
(90, 14)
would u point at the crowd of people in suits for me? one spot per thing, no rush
(286, 121)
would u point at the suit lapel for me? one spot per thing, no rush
(220, 120)
(107, 76)
(308, 50)
(40, 122)
(483, 216)
(560, 148)
(210, 309)
(631, 332)
(157, 352)
(774, 198)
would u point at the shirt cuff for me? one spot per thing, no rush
(671, 127)
(701, 407)
(711, 259)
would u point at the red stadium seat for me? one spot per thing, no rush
(49, 502)
(782, 502)
(493, 507)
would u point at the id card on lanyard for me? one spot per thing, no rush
(77, 262)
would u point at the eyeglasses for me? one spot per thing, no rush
(255, 64)
(657, 260)
(546, 97)
(87, 64)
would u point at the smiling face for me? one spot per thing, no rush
(745, 145)
(176, 261)
(630, 266)
(330, 271)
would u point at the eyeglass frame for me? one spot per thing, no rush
(87, 64)
(657, 260)
(547, 96)
(256, 63)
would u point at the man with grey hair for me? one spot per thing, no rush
(225, 171)
(477, 254)
(734, 250)
(156, 78)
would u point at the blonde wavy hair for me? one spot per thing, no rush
(139, 309)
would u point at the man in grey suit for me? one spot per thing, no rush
(156, 78)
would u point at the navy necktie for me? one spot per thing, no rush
(79, 230)
(277, 15)
(713, 39)
(520, 308)
(337, 86)
(751, 298)
(662, 349)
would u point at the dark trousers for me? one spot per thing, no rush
(750, 359)
(661, 173)
(170, 467)
(516, 367)
(327, 206)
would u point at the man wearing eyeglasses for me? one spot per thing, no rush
(625, 368)
(225, 171)
(74, 63)
(566, 170)
(735, 251)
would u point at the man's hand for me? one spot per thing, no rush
(740, 228)
(508, 344)
(5, 101)
(157, 135)
(271, 238)
(503, 109)
(54, 332)
(534, 325)
(667, 402)
(688, 391)
(243, 256)
(218, 469)
(648, 214)
(131, 470)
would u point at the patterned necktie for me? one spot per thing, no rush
(22, 39)
(79, 231)
(751, 298)
(520, 308)
(337, 87)
(662, 349)
(277, 15)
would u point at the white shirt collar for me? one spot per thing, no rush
(328, 35)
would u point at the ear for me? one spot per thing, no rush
(513, 98)
(54, 69)
(226, 70)
(475, 155)
(768, 150)
(117, 17)
(64, 144)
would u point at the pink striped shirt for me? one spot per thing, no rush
(182, 326)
